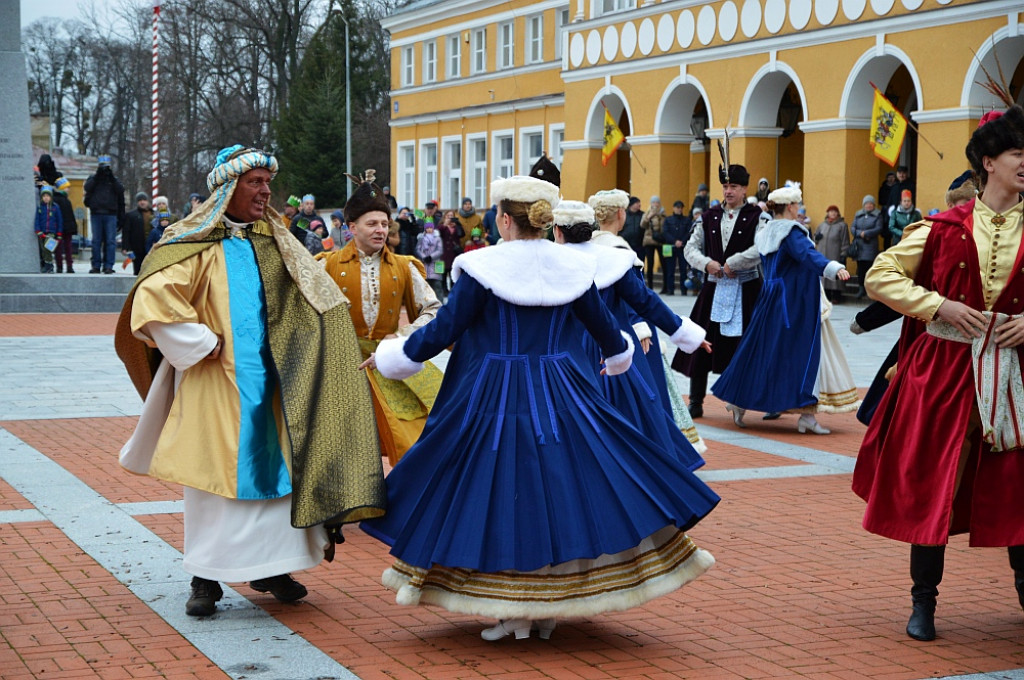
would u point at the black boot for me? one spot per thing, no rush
(1016, 553)
(926, 563)
(204, 597)
(283, 587)
(696, 408)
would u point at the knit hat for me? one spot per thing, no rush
(163, 215)
(160, 199)
(141, 196)
(62, 185)
(46, 189)
(833, 207)
(906, 193)
(522, 189)
(868, 198)
(465, 200)
(633, 200)
(702, 187)
(198, 197)
(569, 213)
(340, 216)
(294, 201)
(655, 199)
(613, 198)
(763, 180)
(737, 175)
(367, 197)
(997, 132)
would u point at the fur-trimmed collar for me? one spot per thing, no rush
(529, 272)
(774, 233)
(609, 240)
(612, 263)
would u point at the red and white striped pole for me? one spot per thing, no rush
(156, 99)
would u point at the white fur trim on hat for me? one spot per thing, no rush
(392, 361)
(620, 363)
(615, 198)
(524, 189)
(688, 336)
(784, 195)
(569, 213)
(532, 272)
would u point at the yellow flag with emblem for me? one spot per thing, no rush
(888, 129)
(613, 138)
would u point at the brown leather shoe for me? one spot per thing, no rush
(204, 598)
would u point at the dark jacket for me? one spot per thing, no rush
(67, 212)
(675, 228)
(491, 225)
(104, 194)
(48, 219)
(867, 225)
(408, 231)
(155, 235)
(633, 233)
(136, 228)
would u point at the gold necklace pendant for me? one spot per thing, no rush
(999, 220)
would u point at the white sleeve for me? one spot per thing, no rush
(183, 344)
(693, 251)
(426, 302)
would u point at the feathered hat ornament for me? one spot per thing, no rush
(368, 197)
(723, 150)
(997, 130)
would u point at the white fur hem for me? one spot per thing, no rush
(621, 362)
(642, 330)
(392, 361)
(831, 269)
(688, 336)
(696, 565)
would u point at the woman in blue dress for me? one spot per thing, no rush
(529, 497)
(776, 366)
(634, 392)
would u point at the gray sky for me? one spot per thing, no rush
(65, 9)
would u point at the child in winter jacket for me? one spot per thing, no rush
(430, 248)
(904, 214)
(49, 228)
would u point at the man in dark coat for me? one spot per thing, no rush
(674, 233)
(722, 245)
(104, 196)
(137, 224)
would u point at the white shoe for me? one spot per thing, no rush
(544, 628)
(737, 414)
(521, 628)
(809, 422)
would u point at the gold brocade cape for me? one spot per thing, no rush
(337, 475)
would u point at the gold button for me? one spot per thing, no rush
(963, 265)
(393, 293)
(962, 298)
(1015, 300)
(391, 311)
(344, 273)
(394, 278)
(963, 236)
(344, 289)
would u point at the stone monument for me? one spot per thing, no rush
(19, 252)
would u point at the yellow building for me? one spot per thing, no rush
(481, 88)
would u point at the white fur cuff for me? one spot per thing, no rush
(621, 362)
(392, 361)
(642, 330)
(688, 336)
(832, 269)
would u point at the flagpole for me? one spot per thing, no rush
(155, 118)
(911, 125)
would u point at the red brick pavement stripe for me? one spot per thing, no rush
(11, 499)
(24, 325)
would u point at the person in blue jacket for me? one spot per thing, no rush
(529, 497)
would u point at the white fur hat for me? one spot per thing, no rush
(788, 194)
(615, 198)
(524, 189)
(569, 213)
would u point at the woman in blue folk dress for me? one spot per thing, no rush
(777, 364)
(529, 497)
(634, 393)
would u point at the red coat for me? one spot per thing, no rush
(907, 466)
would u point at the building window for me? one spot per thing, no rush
(428, 171)
(504, 165)
(610, 6)
(506, 45)
(480, 50)
(535, 39)
(430, 61)
(407, 175)
(477, 176)
(531, 147)
(561, 21)
(452, 191)
(408, 66)
(454, 56)
(555, 145)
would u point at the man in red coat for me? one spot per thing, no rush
(944, 453)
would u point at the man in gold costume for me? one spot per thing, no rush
(246, 357)
(378, 283)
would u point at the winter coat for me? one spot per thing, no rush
(675, 228)
(832, 239)
(49, 221)
(104, 194)
(452, 244)
(408, 232)
(155, 234)
(899, 219)
(67, 212)
(490, 225)
(866, 228)
(428, 249)
(633, 233)
(137, 225)
(470, 223)
(651, 223)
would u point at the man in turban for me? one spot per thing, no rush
(378, 283)
(245, 354)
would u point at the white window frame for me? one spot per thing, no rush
(526, 157)
(478, 55)
(406, 190)
(477, 187)
(428, 175)
(562, 20)
(535, 39)
(506, 57)
(450, 200)
(408, 66)
(430, 61)
(606, 7)
(454, 56)
(556, 138)
(502, 167)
